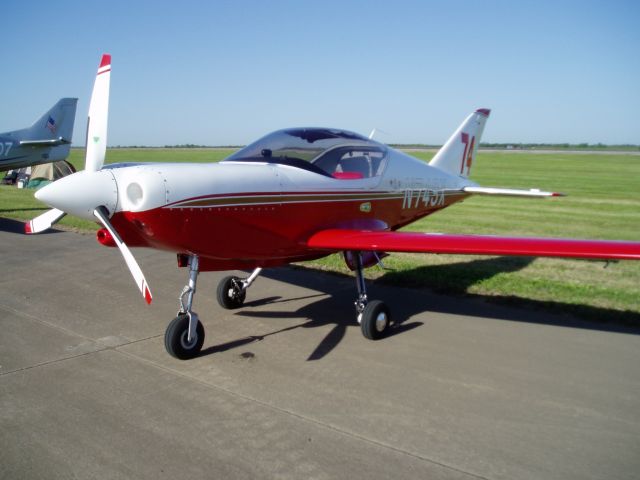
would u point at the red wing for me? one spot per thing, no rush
(472, 244)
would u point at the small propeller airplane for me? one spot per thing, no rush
(296, 194)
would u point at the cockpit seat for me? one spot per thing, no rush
(347, 175)
(361, 165)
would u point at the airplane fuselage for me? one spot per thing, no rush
(14, 156)
(243, 215)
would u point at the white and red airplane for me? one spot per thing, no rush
(295, 194)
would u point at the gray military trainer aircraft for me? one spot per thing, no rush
(47, 140)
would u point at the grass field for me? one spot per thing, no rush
(603, 202)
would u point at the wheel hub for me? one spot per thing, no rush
(381, 321)
(186, 344)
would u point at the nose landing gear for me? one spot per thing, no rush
(177, 340)
(184, 336)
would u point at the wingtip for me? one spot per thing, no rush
(28, 230)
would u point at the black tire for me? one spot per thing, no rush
(376, 320)
(230, 293)
(175, 338)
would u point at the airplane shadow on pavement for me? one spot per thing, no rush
(334, 304)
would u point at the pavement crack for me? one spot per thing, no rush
(33, 318)
(53, 362)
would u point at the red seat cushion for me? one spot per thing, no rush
(348, 175)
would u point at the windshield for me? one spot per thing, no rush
(321, 150)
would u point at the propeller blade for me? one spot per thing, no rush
(98, 117)
(134, 268)
(44, 221)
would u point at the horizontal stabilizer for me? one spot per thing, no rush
(363, 240)
(52, 142)
(511, 192)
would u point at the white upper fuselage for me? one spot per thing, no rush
(148, 186)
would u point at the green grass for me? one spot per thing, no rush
(603, 202)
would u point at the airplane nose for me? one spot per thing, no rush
(81, 193)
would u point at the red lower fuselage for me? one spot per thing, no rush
(268, 229)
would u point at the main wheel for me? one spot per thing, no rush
(230, 293)
(375, 320)
(176, 335)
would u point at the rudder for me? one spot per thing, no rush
(458, 154)
(56, 123)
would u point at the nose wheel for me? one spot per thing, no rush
(184, 336)
(178, 342)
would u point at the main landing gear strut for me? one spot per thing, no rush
(184, 336)
(374, 316)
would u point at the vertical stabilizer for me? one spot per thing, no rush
(458, 154)
(56, 123)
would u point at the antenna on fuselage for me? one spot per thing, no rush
(376, 130)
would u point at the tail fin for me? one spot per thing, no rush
(55, 126)
(457, 155)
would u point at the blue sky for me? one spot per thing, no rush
(226, 72)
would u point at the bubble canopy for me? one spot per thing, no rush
(320, 150)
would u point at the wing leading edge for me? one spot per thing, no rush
(362, 240)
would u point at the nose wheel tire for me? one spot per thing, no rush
(176, 338)
(231, 295)
(375, 320)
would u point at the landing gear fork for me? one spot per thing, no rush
(186, 297)
(185, 334)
